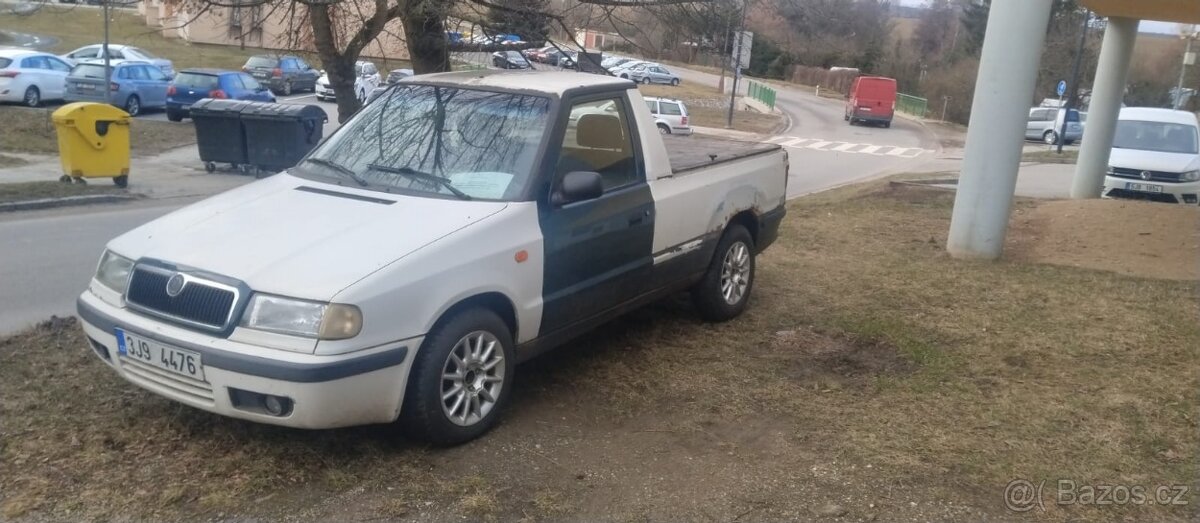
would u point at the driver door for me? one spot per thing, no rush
(597, 252)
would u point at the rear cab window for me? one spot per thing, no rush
(671, 109)
(262, 61)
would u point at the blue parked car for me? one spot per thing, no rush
(192, 85)
(136, 85)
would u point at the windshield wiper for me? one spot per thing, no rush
(409, 171)
(339, 168)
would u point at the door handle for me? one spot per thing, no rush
(637, 219)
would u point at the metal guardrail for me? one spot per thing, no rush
(910, 104)
(762, 93)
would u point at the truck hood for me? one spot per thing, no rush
(295, 237)
(1153, 161)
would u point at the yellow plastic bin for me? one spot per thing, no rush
(93, 142)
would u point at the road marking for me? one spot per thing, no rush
(300, 97)
(847, 147)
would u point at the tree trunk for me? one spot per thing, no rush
(338, 66)
(425, 32)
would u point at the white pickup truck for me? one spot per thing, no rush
(457, 225)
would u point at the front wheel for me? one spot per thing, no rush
(286, 90)
(725, 290)
(133, 105)
(1050, 137)
(174, 116)
(674, 81)
(460, 380)
(33, 97)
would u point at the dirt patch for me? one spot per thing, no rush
(832, 362)
(1145, 239)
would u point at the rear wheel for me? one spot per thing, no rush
(133, 105)
(174, 116)
(674, 81)
(121, 181)
(646, 80)
(33, 97)
(460, 379)
(725, 290)
(663, 129)
(286, 90)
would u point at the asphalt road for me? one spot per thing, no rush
(50, 255)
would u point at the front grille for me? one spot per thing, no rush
(1138, 195)
(1155, 176)
(198, 303)
(172, 385)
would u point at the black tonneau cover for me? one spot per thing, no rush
(687, 153)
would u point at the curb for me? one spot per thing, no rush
(66, 201)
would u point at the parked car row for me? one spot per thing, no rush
(640, 71)
(1045, 124)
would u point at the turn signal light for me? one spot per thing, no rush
(277, 72)
(219, 94)
(171, 90)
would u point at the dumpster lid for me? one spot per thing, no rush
(218, 105)
(276, 111)
(95, 112)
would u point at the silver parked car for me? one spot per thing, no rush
(95, 54)
(1045, 123)
(135, 86)
(650, 74)
(670, 115)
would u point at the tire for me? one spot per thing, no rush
(210, 167)
(845, 118)
(121, 181)
(646, 80)
(286, 90)
(33, 97)
(674, 82)
(733, 263)
(663, 129)
(887, 125)
(133, 105)
(174, 116)
(1050, 138)
(425, 416)
(624, 76)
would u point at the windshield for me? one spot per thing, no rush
(483, 143)
(196, 81)
(1155, 136)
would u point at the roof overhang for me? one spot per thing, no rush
(1181, 11)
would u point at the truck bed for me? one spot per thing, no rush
(688, 153)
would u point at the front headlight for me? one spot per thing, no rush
(1110, 171)
(113, 271)
(310, 319)
(1190, 176)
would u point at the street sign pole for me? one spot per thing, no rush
(107, 64)
(1073, 88)
(737, 64)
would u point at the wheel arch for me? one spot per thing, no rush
(746, 219)
(494, 301)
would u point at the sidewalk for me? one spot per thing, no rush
(172, 174)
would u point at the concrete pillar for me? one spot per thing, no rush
(1008, 67)
(1107, 94)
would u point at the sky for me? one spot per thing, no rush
(1146, 26)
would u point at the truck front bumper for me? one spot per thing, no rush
(318, 391)
(1186, 193)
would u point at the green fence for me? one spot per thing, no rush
(913, 105)
(762, 93)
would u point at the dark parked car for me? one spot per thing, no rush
(283, 74)
(509, 60)
(192, 85)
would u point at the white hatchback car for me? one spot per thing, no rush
(1155, 156)
(670, 116)
(95, 54)
(366, 79)
(29, 77)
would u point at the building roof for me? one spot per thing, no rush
(554, 82)
(1154, 114)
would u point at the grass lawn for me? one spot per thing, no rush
(15, 192)
(77, 27)
(1051, 156)
(873, 376)
(11, 161)
(31, 131)
(709, 108)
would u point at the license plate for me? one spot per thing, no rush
(1143, 187)
(185, 107)
(85, 87)
(171, 359)
(260, 75)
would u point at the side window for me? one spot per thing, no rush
(123, 73)
(248, 82)
(598, 139)
(653, 106)
(86, 53)
(58, 65)
(35, 62)
(155, 73)
(139, 73)
(302, 65)
(671, 109)
(115, 54)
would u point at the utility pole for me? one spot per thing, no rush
(723, 57)
(737, 64)
(107, 63)
(1073, 85)
(1188, 34)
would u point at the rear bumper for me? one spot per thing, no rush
(323, 91)
(325, 391)
(871, 117)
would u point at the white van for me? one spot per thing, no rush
(1155, 156)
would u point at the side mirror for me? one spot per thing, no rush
(578, 186)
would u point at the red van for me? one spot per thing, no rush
(872, 100)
